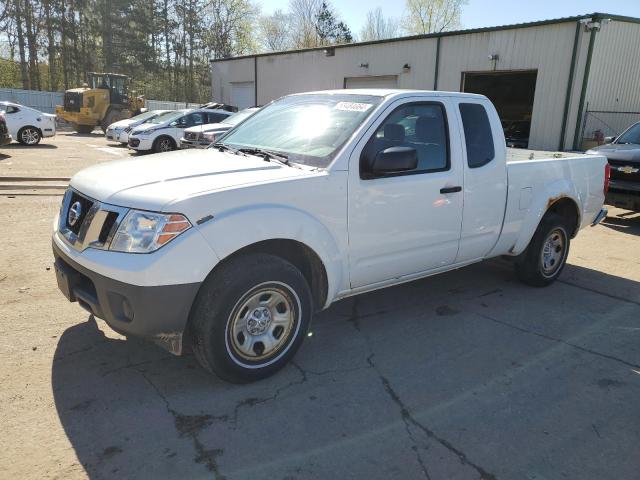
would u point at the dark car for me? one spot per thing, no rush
(517, 133)
(5, 138)
(623, 153)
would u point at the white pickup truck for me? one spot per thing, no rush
(316, 197)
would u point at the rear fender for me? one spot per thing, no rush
(539, 206)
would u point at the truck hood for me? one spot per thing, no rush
(156, 182)
(616, 151)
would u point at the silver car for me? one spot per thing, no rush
(623, 153)
(202, 136)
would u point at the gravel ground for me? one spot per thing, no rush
(465, 375)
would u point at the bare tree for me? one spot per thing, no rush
(376, 27)
(304, 14)
(428, 16)
(275, 31)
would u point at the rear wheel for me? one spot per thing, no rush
(164, 144)
(545, 257)
(29, 136)
(250, 317)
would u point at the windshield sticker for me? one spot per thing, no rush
(352, 106)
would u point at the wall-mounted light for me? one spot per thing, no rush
(494, 57)
(406, 67)
(364, 65)
(329, 52)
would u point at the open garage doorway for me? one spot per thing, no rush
(512, 94)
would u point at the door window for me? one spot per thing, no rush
(216, 117)
(422, 126)
(477, 134)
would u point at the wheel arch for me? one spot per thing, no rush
(303, 257)
(29, 126)
(165, 135)
(563, 202)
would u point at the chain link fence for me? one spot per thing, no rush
(599, 124)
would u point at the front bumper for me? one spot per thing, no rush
(157, 313)
(140, 143)
(193, 144)
(117, 135)
(624, 194)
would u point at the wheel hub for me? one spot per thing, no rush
(259, 321)
(553, 252)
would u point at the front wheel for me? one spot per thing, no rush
(29, 136)
(545, 257)
(250, 317)
(163, 144)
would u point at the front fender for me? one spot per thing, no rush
(235, 229)
(540, 203)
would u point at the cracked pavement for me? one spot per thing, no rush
(466, 375)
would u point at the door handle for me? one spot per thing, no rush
(451, 189)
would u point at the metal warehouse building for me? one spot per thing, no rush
(560, 83)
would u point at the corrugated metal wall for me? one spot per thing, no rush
(614, 80)
(47, 101)
(43, 101)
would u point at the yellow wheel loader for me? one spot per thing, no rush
(104, 99)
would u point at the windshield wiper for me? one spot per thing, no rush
(267, 155)
(223, 146)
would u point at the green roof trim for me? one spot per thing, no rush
(595, 16)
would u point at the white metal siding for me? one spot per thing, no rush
(43, 101)
(546, 49)
(614, 80)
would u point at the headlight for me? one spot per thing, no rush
(143, 133)
(145, 232)
(209, 136)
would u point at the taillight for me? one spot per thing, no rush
(607, 174)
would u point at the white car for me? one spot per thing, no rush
(119, 131)
(314, 198)
(163, 133)
(204, 135)
(28, 125)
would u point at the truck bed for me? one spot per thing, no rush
(522, 155)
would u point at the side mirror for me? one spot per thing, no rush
(394, 160)
(609, 139)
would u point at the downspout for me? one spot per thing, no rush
(255, 80)
(585, 81)
(567, 101)
(435, 75)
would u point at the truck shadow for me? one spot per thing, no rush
(130, 410)
(629, 223)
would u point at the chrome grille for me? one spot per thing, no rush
(92, 224)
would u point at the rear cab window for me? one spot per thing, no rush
(478, 136)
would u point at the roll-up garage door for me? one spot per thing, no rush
(242, 94)
(383, 81)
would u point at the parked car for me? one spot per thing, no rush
(5, 137)
(119, 131)
(163, 133)
(623, 154)
(314, 198)
(28, 125)
(202, 136)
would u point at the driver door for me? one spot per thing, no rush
(405, 223)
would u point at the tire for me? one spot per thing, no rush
(113, 115)
(82, 128)
(29, 136)
(250, 317)
(163, 144)
(545, 257)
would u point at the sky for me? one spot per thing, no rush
(479, 13)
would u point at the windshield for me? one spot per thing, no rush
(632, 135)
(236, 118)
(166, 117)
(309, 129)
(145, 115)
